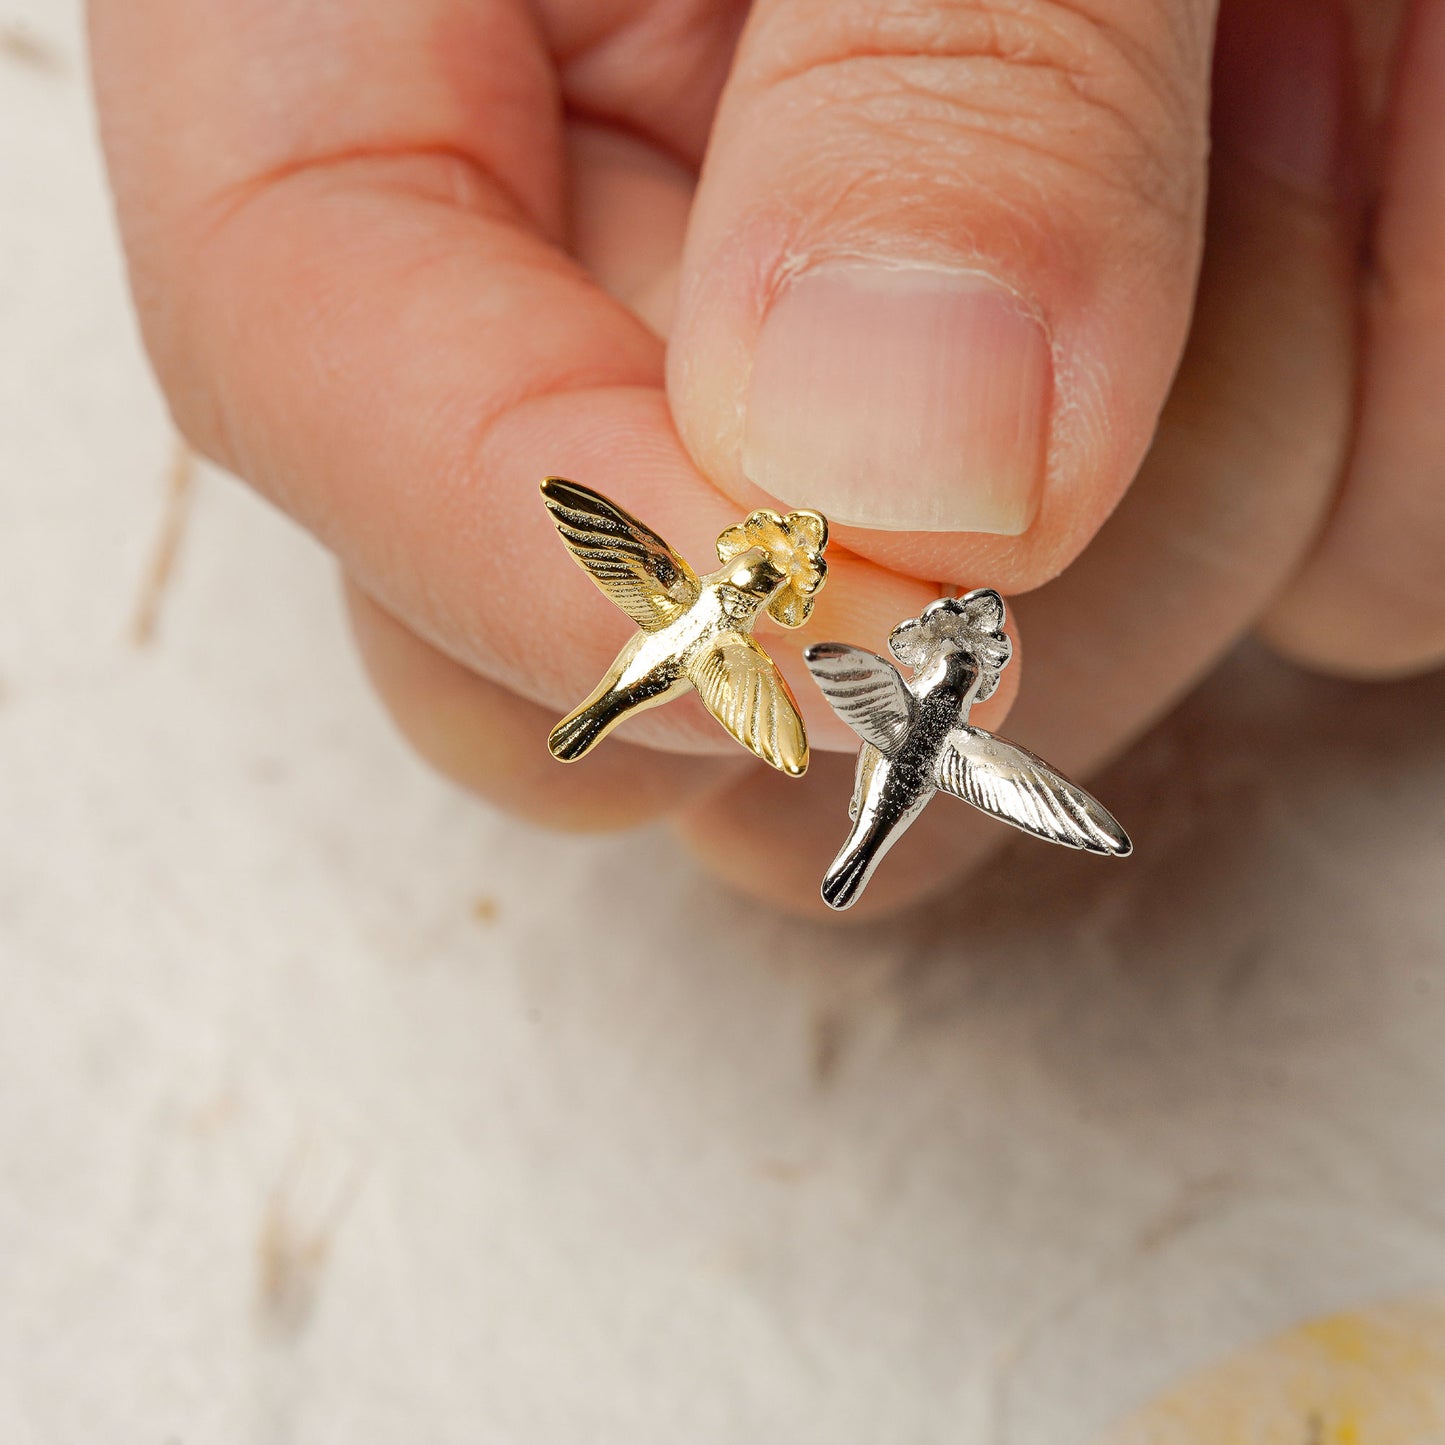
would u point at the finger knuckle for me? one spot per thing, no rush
(1049, 93)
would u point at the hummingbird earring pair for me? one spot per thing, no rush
(696, 632)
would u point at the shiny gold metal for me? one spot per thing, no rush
(696, 632)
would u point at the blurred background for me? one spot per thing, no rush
(332, 1110)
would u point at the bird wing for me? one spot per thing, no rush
(624, 557)
(1012, 784)
(745, 692)
(868, 693)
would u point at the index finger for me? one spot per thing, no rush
(343, 223)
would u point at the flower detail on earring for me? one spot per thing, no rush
(794, 545)
(972, 625)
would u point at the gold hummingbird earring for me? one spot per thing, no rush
(917, 741)
(695, 632)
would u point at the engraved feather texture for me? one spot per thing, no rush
(867, 692)
(1012, 784)
(741, 688)
(628, 560)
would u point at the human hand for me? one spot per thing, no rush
(395, 260)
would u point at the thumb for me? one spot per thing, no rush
(940, 268)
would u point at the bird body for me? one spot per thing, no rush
(917, 742)
(892, 788)
(655, 667)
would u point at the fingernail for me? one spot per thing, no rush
(1281, 82)
(902, 398)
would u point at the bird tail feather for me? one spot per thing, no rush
(845, 879)
(581, 730)
(851, 869)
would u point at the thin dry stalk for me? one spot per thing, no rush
(180, 485)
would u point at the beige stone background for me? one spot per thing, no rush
(334, 1110)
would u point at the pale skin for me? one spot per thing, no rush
(396, 260)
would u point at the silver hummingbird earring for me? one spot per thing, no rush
(917, 741)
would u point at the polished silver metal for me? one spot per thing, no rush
(917, 741)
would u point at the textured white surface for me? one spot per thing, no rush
(298, 1143)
